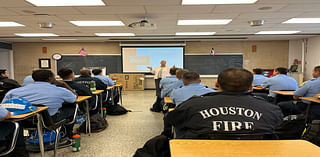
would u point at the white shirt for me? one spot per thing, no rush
(164, 73)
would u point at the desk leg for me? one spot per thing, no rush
(39, 127)
(88, 116)
(101, 105)
(120, 95)
(112, 96)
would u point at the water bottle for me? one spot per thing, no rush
(104, 112)
(92, 86)
(114, 80)
(76, 143)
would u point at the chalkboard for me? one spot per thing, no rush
(77, 62)
(212, 65)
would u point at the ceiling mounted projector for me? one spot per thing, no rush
(144, 24)
(254, 23)
(46, 25)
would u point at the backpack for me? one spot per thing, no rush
(292, 127)
(312, 133)
(116, 110)
(155, 147)
(97, 122)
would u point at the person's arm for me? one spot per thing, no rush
(110, 82)
(265, 83)
(64, 85)
(68, 96)
(301, 92)
(4, 114)
(151, 70)
(178, 115)
(100, 85)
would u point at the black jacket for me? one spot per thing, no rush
(82, 90)
(7, 84)
(85, 80)
(224, 112)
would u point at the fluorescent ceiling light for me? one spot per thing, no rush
(97, 23)
(204, 22)
(303, 20)
(59, 39)
(36, 34)
(278, 32)
(10, 24)
(199, 2)
(114, 34)
(195, 33)
(66, 2)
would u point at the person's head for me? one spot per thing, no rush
(257, 71)
(190, 77)
(43, 76)
(295, 62)
(85, 72)
(163, 63)
(97, 72)
(316, 72)
(235, 80)
(4, 73)
(173, 70)
(180, 72)
(280, 70)
(66, 74)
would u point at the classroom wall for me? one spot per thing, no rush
(312, 56)
(269, 54)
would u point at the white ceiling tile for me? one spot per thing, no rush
(301, 7)
(45, 10)
(14, 3)
(112, 10)
(287, 1)
(179, 9)
(7, 12)
(246, 8)
(128, 2)
(89, 17)
(207, 16)
(256, 16)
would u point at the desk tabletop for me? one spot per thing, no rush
(167, 100)
(243, 148)
(260, 88)
(97, 92)
(82, 98)
(110, 87)
(118, 85)
(289, 92)
(26, 115)
(312, 99)
(1, 91)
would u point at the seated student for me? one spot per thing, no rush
(28, 79)
(231, 110)
(310, 89)
(105, 79)
(192, 87)
(258, 77)
(45, 92)
(67, 75)
(6, 84)
(178, 84)
(6, 129)
(280, 81)
(85, 78)
(165, 82)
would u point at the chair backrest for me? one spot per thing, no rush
(46, 118)
(248, 136)
(14, 138)
(280, 98)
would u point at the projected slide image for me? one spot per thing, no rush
(137, 59)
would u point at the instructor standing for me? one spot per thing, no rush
(159, 73)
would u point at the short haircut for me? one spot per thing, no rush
(317, 68)
(190, 77)
(180, 72)
(257, 71)
(65, 73)
(282, 70)
(96, 71)
(42, 75)
(173, 70)
(85, 72)
(2, 71)
(235, 80)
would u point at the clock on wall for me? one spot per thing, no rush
(56, 56)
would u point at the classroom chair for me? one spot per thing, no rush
(14, 139)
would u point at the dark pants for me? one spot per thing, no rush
(6, 134)
(65, 113)
(292, 108)
(157, 105)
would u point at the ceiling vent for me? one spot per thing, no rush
(255, 23)
(144, 24)
(46, 25)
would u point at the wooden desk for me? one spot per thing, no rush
(99, 92)
(39, 124)
(312, 99)
(1, 91)
(85, 99)
(167, 100)
(289, 92)
(259, 88)
(243, 148)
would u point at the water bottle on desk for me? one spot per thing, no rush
(92, 86)
(114, 80)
